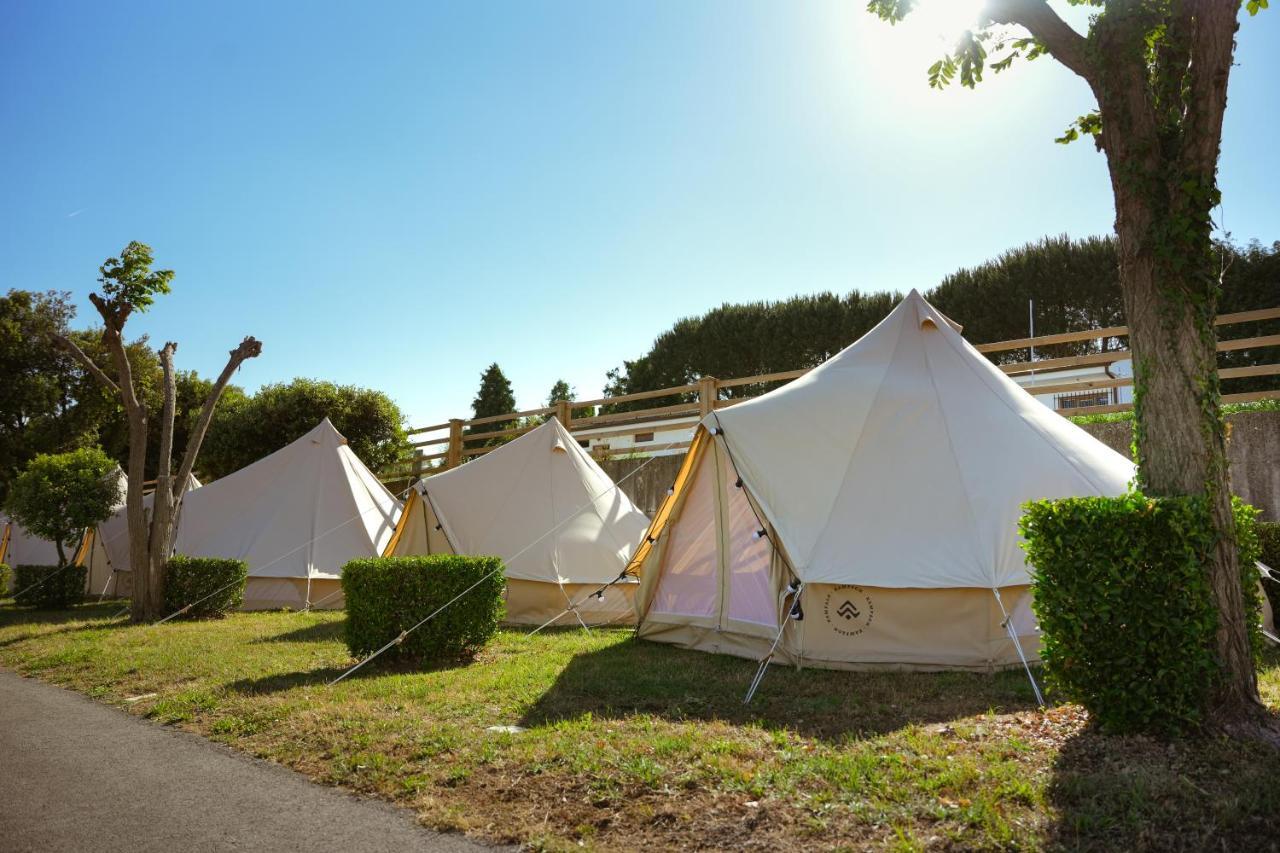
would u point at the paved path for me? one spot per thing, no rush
(76, 776)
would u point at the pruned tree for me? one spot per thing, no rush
(1158, 71)
(129, 284)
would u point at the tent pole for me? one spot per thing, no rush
(764, 662)
(1007, 624)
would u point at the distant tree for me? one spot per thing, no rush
(59, 495)
(50, 403)
(30, 393)
(1074, 284)
(1250, 280)
(245, 429)
(495, 397)
(562, 390)
(129, 284)
(746, 340)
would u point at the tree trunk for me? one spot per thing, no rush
(1180, 438)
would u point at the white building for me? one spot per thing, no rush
(1063, 400)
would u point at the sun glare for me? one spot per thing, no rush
(948, 19)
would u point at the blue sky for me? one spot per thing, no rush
(397, 194)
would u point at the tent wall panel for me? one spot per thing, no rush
(866, 627)
(535, 603)
(544, 506)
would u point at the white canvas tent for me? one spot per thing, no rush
(296, 517)
(106, 548)
(543, 505)
(882, 490)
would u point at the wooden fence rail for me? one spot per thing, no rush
(461, 440)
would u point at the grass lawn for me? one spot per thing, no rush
(633, 744)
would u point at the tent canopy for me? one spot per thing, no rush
(904, 460)
(543, 505)
(301, 512)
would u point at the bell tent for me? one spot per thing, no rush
(544, 506)
(296, 517)
(865, 515)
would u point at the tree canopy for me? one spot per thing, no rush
(245, 429)
(495, 397)
(1075, 286)
(50, 403)
(57, 496)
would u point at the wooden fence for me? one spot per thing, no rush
(449, 444)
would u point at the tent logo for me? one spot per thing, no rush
(848, 610)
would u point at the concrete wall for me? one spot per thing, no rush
(1253, 448)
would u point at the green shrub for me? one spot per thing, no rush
(210, 586)
(387, 595)
(48, 587)
(1125, 607)
(1269, 546)
(6, 575)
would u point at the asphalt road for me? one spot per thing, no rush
(76, 776)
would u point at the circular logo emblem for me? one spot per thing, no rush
(848, 610)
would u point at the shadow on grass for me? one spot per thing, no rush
(11, 616)
(640, 677)
(1114, 793)
(320, 676)
(317, 633)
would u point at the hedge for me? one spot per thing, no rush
(6, 575)
(1269, 541)
(388, 595)
(210, 586)
(48, 587)
(1125, 607)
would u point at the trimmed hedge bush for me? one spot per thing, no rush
(1125, 607)
(388, 595)
(6, 574)
(48, 587)
(192, 579)
(1269, 544)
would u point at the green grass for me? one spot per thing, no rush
(632, 744)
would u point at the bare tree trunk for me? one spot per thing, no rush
(162, 498)
(151, 542)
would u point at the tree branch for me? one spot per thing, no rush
(1212, 46)
(165, 464)
(249, 348)
(1063, 43)
(79, 355)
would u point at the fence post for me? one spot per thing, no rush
(564, 413)
(453, 456)
(417, 464)
(708, 391)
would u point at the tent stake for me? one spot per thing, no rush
(768, 658)
(1017, 644)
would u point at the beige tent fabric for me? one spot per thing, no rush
(24, 549)
(888, 481)
(297, 515)
(544, 506)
